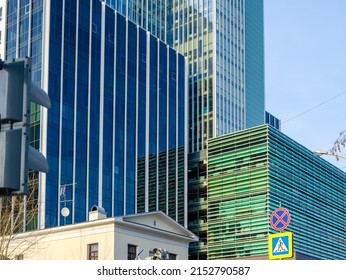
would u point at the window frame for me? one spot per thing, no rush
(92, 253)
(131, 255)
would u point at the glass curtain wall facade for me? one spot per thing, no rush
(197, 203)
(253, 172)
(194, 36)
(212, 35)
(3, 20)
(272, 120)
(224, 44)
(115, 133)
(154, 16)
(223, 41)
(21, 32)
(254, 61)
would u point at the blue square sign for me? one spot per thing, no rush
(280, 245)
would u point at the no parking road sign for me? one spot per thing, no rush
(280, 218)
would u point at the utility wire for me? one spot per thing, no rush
(314, 107)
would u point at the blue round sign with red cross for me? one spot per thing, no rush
(280, 218)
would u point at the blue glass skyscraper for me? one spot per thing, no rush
(115, 135)
(70, 41)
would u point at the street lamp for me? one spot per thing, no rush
(320, 153)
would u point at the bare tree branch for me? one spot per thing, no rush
(339, 144)
(17, 215)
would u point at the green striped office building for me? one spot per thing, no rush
(253, 172)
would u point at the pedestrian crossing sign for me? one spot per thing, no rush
(280, 245)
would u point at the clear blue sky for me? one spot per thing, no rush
(305, 65)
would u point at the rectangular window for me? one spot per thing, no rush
(172, 256)
(131, 252)
(93, 251)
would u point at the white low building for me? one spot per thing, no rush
(120, 238)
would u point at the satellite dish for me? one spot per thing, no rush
(65, 212)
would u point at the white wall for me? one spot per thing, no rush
(124, 237)
(71, 242)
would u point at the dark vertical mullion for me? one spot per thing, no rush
(119, 116)
(130, 116)
(162, 118)
(51, 206)
(152, 123)
(141, 119)
(172, 135)
(81, 131)
(108, 110)
(94, 103)
(68, 85)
